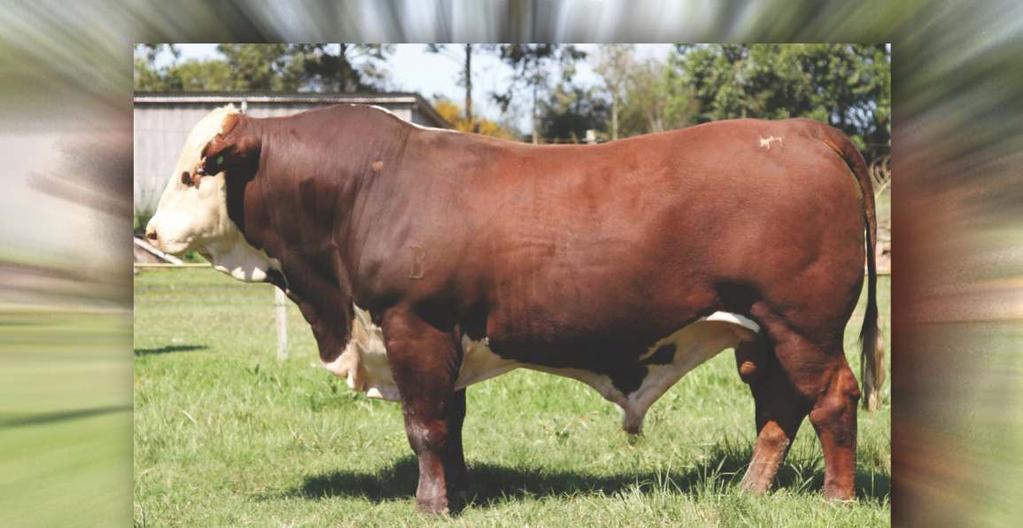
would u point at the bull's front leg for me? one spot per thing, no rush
(425, 361)
(454, 458)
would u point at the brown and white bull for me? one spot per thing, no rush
(427, 260)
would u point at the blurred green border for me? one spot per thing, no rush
(957, 86)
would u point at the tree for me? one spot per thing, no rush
(533, 64)
(453, 114)
(261, 67)
(149, 52)
(655, 99)
(845, 85)
(200, 75)
(353, 68)
(147, 77)
(267, 67)
(465, 76)
(615, 64)
(570, 111)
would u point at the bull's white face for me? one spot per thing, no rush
(192, 213)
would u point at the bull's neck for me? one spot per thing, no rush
(341, 193)
(320, 194)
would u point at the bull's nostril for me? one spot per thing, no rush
(151, 234)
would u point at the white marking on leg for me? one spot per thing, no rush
(363, 363)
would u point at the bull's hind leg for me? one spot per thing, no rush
(425, 363)
(823, 384)
(779, 412)
(834, 418)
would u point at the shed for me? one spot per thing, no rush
(162, 121)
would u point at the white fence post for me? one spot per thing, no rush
(281, 312)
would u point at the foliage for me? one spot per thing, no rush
(846, 85)
(147, 77)
(139, 219)
(208, 75)
(465, 74)
(267, 67)
(261, 67)
(533, 65)
(570, 111)
(354, 68)
(225, 435)
(615, 64)
(655, 100)
(451, 113)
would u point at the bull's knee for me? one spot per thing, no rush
(836, 406)
(426, 436)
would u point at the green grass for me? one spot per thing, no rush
(65, 420)
(225, 435)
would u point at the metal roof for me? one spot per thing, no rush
(409, 98)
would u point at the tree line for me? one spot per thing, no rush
(845, 85)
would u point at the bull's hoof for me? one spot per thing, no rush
(459, 495)
(754, 485)
(433, 506)
(839, 493)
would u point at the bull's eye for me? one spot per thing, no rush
(210, 167)
(186, 178)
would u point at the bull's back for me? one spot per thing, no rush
(717, 198)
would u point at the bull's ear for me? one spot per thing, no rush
(229, 123)
(214, 154)
(235, 149)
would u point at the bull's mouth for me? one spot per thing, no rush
(172, 248)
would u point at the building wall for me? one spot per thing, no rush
(160, 129)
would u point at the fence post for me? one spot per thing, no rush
(281, 312)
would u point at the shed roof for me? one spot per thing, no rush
(410, 98)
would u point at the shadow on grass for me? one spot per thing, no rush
(139, 352)
(492, 484)
(60, 416)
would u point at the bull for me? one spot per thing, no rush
(427, 260)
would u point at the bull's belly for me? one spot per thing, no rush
(364, 362)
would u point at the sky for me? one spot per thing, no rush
(412, 69)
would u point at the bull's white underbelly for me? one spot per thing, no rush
(364, 362)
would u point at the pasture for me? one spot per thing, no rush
(226, 435)
(65, 417)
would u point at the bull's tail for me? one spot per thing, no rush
(872, 372)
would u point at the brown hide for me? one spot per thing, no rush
(571, 256)
(559, 254)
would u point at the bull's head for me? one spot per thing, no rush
(193, 210)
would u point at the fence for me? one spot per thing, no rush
(279, 300)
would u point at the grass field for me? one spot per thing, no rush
(225, 435)
(65, 418)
